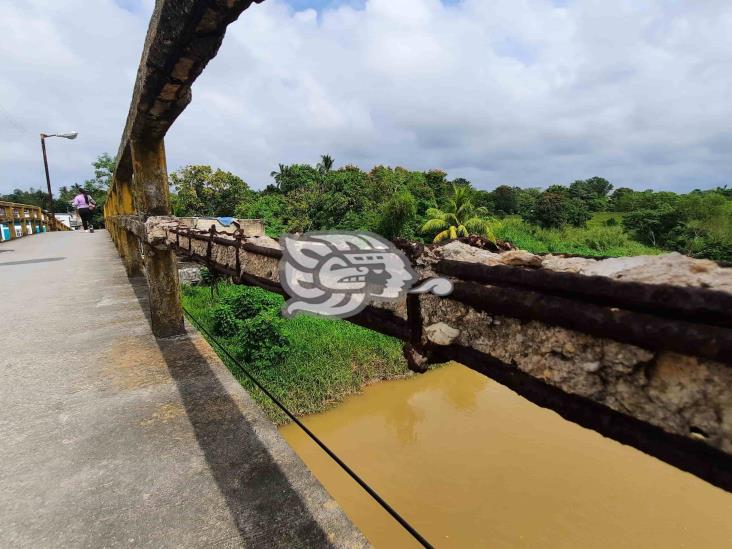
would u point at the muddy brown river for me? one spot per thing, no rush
(471, 464)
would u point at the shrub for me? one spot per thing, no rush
(249, 302)
(224, 323)
(210, 278)
(261, 342)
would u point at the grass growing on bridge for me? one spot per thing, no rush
(309, 363)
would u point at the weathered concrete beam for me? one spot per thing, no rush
(183, 36)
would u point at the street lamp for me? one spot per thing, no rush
(68, 135)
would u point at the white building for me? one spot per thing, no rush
(71, 220)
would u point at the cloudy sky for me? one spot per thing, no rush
(518, 92)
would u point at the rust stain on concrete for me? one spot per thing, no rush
(135, 363)
(164, 413)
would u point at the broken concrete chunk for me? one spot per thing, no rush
(521, 258)
(566, 264)
(441, 333)
(458, 251)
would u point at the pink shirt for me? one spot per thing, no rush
(80, 202)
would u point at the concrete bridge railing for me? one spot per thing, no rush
(638, 349)
(18, 220)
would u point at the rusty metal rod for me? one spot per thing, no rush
(693, 304)
(644, 330)
(232, 242)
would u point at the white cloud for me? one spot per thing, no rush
(523, 92)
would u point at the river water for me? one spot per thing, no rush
(469, 463)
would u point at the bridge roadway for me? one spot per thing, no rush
(110, 438)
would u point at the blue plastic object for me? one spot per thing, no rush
(226, 221)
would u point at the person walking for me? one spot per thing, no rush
(85, 206)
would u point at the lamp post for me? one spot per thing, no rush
(69, 135)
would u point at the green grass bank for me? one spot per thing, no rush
(309, 363)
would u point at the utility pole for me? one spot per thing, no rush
(48, 177)
(69, 135)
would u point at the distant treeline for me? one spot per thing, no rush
(396, 202)
(587, 216)
(97, 186)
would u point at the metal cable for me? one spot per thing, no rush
(408, 527)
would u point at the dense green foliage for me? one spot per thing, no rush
(427, 206)
(309, 363)
(202, 191)
(697, 224)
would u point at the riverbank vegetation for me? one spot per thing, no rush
(309, 363)
(585, 217)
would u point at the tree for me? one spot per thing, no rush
(267, 206)
(301, 204)
(505, 199)
(459, 218)
(104, 167)
(296, 176)
(32, 197)
(325, 165)
(280, 176)
(344, 201)
(97, 186)
(436, 180)
(654, 226)
(526, 201)
(555, 209)
(384, 182)
(623, 200)
(593, 192)
(201, 191)
(461, 182)
(397, 216)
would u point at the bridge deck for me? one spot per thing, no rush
(113, 438)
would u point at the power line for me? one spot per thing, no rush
(401, 520)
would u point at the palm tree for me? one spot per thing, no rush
(281, 176)
(325, 164)
(459, 218)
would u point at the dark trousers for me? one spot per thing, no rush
(86, 216)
